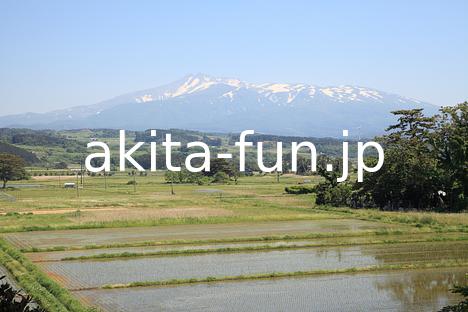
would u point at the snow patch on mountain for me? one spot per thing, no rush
(202, 102)
(282, 93)
(144, 98)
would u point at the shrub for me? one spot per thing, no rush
(340, 195)
(204, 181)
(221, 177)
(300, 189)
(427, 220)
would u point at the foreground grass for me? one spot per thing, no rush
(188, 252)
(47, 293)
(389, 267)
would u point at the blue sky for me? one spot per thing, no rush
(55, 54)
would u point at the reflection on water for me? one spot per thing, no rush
(106, 236)
(421, 290)
(420, 286)
(79, 274)
(57, 255)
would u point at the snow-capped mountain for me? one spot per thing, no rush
(201, 102)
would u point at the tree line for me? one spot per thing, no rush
(425, 167)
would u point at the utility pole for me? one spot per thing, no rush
(81, 170)
(77, 183)
(134, 182)
(105, 180)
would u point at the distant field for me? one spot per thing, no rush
(47, 148)
(94, 203)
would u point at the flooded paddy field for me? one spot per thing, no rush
(96, 273)
(416, 290)
(329, 241)
(60, 255)
(386, 258)
(44, 239)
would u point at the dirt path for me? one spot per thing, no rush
(62, 211)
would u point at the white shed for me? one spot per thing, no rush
(69, 185)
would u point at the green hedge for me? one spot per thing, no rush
(300, 189)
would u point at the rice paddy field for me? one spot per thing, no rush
(110, 246)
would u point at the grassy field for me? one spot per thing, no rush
(52, 237)
(108, 202)
(120, 204)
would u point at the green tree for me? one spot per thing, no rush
(62, 165)
(171, 176)
(330, 192)
(329, 176)
(426, 164)
(410, 176)
(451, 148)
(11, 168)
(220, 165)
(220, 177)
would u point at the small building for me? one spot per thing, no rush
(69, 185)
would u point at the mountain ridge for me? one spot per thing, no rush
(205, 103)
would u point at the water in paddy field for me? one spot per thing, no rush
(83, 274)
(419, 290)
(58, 255)
(44, 239)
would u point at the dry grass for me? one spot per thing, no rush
(54, 178)
(66, 211)
(138, 214)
